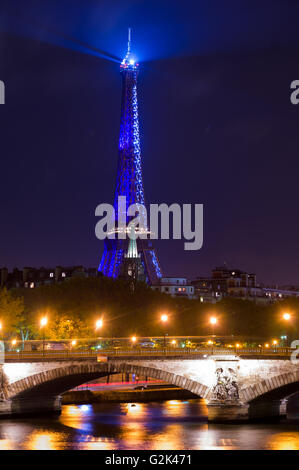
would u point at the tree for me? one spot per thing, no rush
(65, 327)
(11, 311)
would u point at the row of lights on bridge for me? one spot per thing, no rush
(164, 318)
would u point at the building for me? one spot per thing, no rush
(129, 182)
(176, 287)
(29, 277)
(227, 282)
(274, 294)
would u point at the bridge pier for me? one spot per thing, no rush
(239, 412)
(227, 413)
(270, 409)
(30, 406)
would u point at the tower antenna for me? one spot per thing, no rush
(129, 39)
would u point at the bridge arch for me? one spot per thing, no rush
(275, 388)
(56, 381)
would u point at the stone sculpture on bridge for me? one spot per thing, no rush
(226, 388)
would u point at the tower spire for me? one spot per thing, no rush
(129, 62)
(129, 40)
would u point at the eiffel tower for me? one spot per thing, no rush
(129, 181)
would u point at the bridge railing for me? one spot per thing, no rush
(15, 356)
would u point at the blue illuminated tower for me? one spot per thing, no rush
(129, 180)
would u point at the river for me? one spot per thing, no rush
(165, 425)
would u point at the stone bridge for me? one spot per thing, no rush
(234, 388)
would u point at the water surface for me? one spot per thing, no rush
(171, 424)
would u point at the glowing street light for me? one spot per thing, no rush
(164, 319)
(275, 342)
(287, 317)
(74, 342)
(14, 342)
(133, 339)
(99, 323)
(266, 345)
(173, 342)
(213, 322)
(43, 324)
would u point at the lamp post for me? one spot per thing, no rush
(287, 317)
(133, 339)
(13, 342)
(43, 324)
(98, 325)
(213, 322)
(164, 319)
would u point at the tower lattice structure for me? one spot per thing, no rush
(129, 181)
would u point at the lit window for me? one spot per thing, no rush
(51, 274)
(31, 285)
(63, 274)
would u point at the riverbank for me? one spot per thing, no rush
(117, 396)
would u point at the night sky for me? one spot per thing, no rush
(217, 127)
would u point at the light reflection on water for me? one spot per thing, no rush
(169, 425)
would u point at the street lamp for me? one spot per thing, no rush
(164, 319)
(213, 322)
(43, 324)
(133, 340)
(287, 318)
(99, 324)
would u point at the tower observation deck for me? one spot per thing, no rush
(129, 181)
